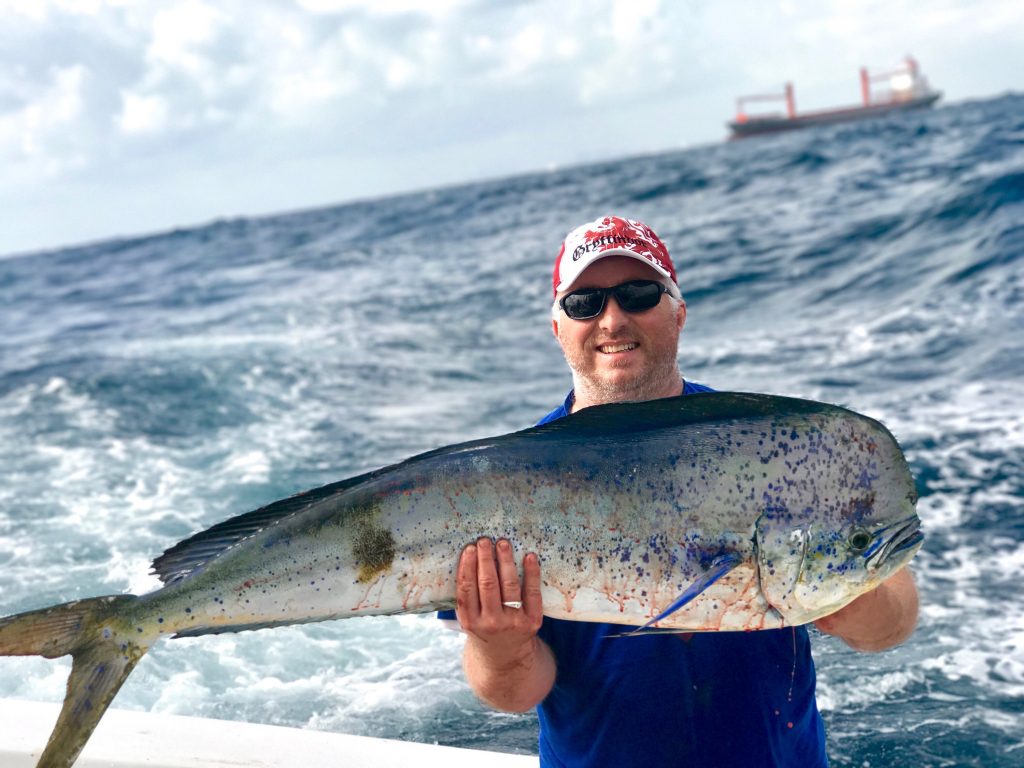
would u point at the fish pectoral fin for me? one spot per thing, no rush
(641, 632)
(720, 566)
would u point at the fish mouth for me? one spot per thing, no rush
(900, 537)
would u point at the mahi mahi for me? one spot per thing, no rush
(718, 511)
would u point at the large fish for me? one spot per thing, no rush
(719, 511)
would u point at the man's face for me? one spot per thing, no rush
(620, 355)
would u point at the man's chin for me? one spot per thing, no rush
(622, 384)
(620, 367)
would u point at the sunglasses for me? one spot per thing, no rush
(634, 296)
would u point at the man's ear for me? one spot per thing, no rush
(681, 315)
(554, 326)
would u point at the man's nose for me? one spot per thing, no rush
(613, 315)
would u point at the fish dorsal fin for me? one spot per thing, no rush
(699, 408)
(186, 556)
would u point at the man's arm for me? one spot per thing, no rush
(506, 664)
(878, 619)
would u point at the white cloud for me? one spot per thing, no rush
(58, 108)
(525, 49)
(141, 113)
(42, 128)
(631, 17)
(38, 10)
(400, 72)
(182, 34)
(436, 8)
(26, 8)
(304, 75)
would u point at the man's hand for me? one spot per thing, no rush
(878, 619)
(506, 664)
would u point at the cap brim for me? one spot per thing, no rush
(592, 258)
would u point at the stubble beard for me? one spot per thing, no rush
(656, 381)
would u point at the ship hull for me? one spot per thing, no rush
(759, 126)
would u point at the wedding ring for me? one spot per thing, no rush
(513, 604)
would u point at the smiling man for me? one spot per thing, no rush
(615, 353)
(715, 699)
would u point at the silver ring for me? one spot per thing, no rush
(513, 604)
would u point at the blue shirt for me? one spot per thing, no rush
(715, 700)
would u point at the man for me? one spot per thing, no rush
(703, 699)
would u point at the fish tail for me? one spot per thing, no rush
(102, 658)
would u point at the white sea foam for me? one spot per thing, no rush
(248, 467)
(865, 689)
(343, 676)
(34, 678)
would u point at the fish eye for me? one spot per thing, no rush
(859, 541)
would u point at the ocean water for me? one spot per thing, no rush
(150, 387)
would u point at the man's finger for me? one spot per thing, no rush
(487, 578)
(467, 598)
(533, 603)
(508, 574)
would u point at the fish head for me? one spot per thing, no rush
(810, 566)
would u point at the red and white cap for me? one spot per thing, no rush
(610, 236)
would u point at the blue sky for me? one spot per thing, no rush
(121, 117)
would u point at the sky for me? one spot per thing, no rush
(124, 117)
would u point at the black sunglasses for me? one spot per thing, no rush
(634, 296)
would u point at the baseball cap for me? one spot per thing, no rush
(609, 236)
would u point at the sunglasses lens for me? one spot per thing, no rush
(638, 295)
(635, 296)
(581, 305)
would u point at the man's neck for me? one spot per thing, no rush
(587, 394)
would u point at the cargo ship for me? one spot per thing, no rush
(908, 89)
